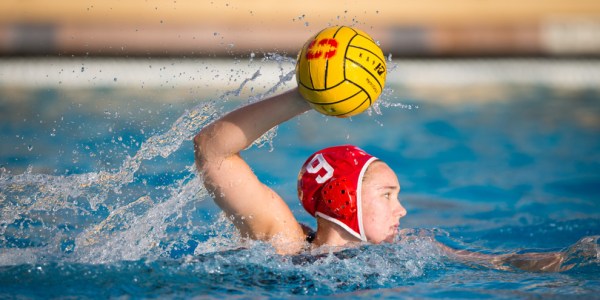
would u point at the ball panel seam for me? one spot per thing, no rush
(339, 101)
(363, 67)
(357, 107)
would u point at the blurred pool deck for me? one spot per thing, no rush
(426, 28)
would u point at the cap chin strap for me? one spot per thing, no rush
(359, 197)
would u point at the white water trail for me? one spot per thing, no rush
(133, 227)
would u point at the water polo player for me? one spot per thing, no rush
(353, 196)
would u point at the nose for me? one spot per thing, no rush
(400, 211)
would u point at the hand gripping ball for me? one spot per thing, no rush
(341, 71)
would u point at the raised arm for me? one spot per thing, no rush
(256, 210)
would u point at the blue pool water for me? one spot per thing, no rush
(99, 197)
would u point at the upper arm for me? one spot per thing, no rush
(256, 210)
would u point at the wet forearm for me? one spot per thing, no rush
(533, 262)
(238, 129)
(536, 262)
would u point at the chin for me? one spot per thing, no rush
(388, 239)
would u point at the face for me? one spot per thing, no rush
(381, 210)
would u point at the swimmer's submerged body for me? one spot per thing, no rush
(352, 195)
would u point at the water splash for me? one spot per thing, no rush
(583, 253)
(368, 266)
(113, 215)
(107, 216)
(44, 212)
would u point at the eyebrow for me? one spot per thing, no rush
(389, 187)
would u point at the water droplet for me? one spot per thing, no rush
(30, 147)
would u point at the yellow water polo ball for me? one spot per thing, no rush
(341, 71)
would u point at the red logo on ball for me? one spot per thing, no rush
(325, 48)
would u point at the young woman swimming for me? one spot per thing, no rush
(361, 204)
(353, 195)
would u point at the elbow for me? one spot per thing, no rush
(211, 147)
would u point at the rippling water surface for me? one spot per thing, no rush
(99, 196)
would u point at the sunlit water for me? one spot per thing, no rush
(99, 196)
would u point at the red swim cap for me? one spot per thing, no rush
(329, 186)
